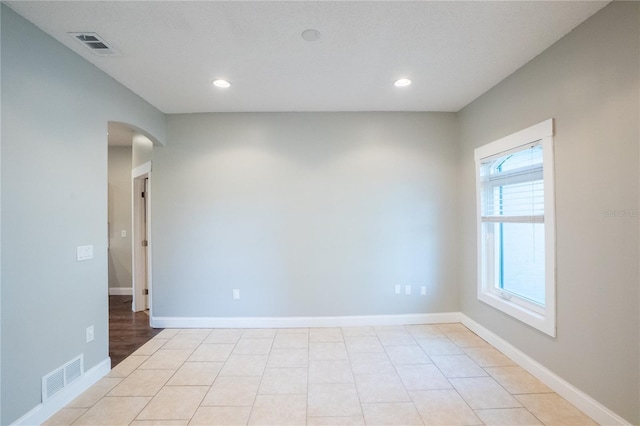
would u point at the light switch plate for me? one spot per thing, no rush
(397, 289)
(90, 334)
(407, 290)
(236, 293)
(123, 233)
(423, 290)
(84, 253)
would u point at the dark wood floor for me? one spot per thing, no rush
(127, 330)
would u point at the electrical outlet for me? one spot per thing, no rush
(84, 253)
(407, 290)
(236, 293)
(423, 290)
(397, 289)
(90, 334)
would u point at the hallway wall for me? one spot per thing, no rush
(55, 109)
(120, 211)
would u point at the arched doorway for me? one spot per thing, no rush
(129, 166)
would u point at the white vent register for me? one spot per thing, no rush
(61, 377)
(95, 43)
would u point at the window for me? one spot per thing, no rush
(516, 230)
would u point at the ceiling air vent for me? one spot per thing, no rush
(95, 43)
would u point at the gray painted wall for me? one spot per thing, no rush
(120, 253)
(588, 82)
(55, 109)
(306, 213)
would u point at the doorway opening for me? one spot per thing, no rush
(129, 240)
(141, 238)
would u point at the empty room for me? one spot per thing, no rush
(320, 212)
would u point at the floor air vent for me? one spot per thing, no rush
(95, 43)
(55, 381)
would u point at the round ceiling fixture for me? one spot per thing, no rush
(402, 82)
(221, 83)
(311, 34)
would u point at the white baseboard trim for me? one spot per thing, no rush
(575, 396)
(300, 322)
(43, 411)
(120, 291)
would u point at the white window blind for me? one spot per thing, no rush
(512, 188)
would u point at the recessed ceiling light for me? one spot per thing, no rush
(311, 34)
(221, 83)
(402, 82)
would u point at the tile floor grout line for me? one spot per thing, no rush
(123, 379)
(355, 385)
(402, 381)
(261, 377)
(199, 405)
(212, 382)
(235, 345)
(306, 405)
(451, 383)
(507, 391)
(503, 387)
(220, 371)
(165, 383)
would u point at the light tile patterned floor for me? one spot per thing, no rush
(402, 375)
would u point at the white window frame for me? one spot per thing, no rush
(540, 317)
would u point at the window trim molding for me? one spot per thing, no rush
(541, 319)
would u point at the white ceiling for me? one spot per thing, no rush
(171, 51)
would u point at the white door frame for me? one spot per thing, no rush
(138, 175)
